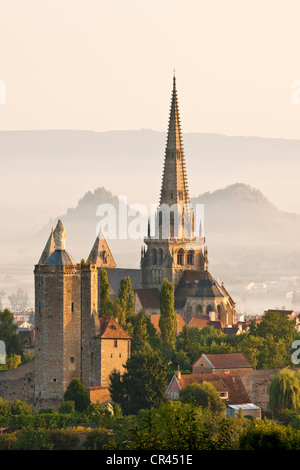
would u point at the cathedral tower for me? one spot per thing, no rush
(173, 246)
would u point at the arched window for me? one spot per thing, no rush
(172, 224)
(209, 308)
(190, 257)
(180, 257)
(160, 256)
(154, 256)
(199, 310)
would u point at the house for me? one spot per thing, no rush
(27, 338)
(148, 300)
(180, 322)
(229, 385)
(219, 363)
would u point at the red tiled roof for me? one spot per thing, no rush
(237, 394)
(155, 322)
(199, 321)
(110, 329)
(228, 361)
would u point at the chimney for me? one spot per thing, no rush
(212, 316)
(178, 373)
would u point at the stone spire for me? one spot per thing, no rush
(48, 250)
(174, 184)
(101, 255)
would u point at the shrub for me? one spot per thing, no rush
(64, 439)
(97, 439)
(29, 439)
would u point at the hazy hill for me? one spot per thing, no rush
(241, 226)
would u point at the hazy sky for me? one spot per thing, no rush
(107, 64)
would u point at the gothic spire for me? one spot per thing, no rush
(174, 185)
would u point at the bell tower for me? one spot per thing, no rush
(173, 246)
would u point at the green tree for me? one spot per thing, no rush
(143, 385)
(140, 332)
(125, 302)
(266, 435)
(168, 319)
(8, 333)
(204, 395)
(284, 391)
(2, 294)
(77, 392)
(104, 297)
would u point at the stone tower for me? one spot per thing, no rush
(173, 246)
(66, 319)
(71, 340)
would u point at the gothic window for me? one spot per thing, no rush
(190, 257)
(180, 257)
(209, 308)
(160, 256)
(172, 224)
(154, 256)
(199, 310)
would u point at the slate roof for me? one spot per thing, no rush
(115, 275)
(110, 329)
(199, 283)
(149, 298)
(60, 258)
(232, 383)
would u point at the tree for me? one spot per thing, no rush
(19, 300)
(140, 332)
(8, 333)
(2, 294)
(77, 392)
(143, 385)
(204, 395)
(168, 319)
(125, 301)
(284, 391)
(105, 300)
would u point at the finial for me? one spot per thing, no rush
(59, 236)
(174, 72)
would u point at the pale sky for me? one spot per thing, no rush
(107, 65)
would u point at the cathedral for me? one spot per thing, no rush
(72, 341)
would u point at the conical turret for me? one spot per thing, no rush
(48, 250)
(101, 255)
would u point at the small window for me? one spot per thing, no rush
(120, 355)
(40, 306)
(72, 307)
(116, 343)
(111, 355)
(72, 359)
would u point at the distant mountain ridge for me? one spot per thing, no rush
(240, 223)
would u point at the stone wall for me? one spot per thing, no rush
(18, 383)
